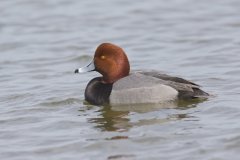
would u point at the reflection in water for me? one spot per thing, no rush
(118, 118)
(111, 120)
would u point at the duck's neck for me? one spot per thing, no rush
(111, 78)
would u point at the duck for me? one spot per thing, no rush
(119, 86)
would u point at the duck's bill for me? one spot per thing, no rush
(90, 67)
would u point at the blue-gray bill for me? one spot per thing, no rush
(90, 67)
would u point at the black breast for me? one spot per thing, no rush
(98, 93)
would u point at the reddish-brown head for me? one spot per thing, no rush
(109, 60)
(112, 62)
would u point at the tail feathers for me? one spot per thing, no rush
(196, 93)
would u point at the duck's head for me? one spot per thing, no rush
(109, 60)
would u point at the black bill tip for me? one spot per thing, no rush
(76, 71)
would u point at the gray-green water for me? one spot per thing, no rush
(42, 110)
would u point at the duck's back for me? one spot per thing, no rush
(152, 87)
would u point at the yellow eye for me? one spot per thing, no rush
(102, 57)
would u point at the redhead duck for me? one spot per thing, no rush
(118, 86)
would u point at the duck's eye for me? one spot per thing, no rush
(103, 57)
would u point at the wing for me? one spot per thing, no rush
(166, 77)
(186, 89)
